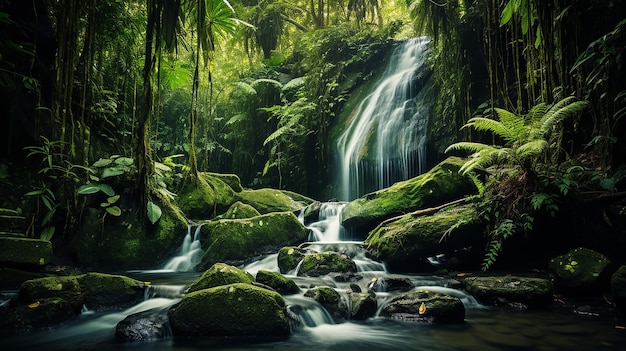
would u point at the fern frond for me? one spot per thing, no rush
(562, 110)
(467, 146)
(282, 130)
(514, 124)
(532, 148)
(480, 160)
(536, 113)
(490, 125)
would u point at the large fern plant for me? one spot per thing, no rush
(529, 151)
(528, 141)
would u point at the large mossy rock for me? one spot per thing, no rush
(98, 291)
(289, 257)
(24, 251)
(618, 288)
(232, 180)
(331, 300)
(127, 242)
(424, 306)
(221, 274)
(323, 263)
(404, 243)
(277, 281)
(510, 290)
(236, 240)
(230, 310)
(580, 271)
(239, 210)
(204, 197)
(272, 200)
(363, 305)
(440, 185)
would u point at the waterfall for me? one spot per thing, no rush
(385, 140)
(189, 254)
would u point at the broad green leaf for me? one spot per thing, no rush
(507, 13)
(154, 212)
(124, 161)
(111, 172)
(103, 162)
(106, 188)
(113, 199)
(48, 217)
(87, 189)
(47, 233)
(114, 211)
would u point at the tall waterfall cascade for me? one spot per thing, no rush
(385, 140)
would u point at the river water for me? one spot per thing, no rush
(484, 328)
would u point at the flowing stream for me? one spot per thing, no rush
(484, 329)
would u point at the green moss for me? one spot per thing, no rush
(322, 263)
(580, 268)
(330, 299)
(289, 257)
(527, 290)
(441, 184)
(277, 281)
(67, 288)
(204, 197)
(237, 239)
(232, 180)
(230, 310)
(271, 200)
(221, 274)
(33, 252)
(239, 210)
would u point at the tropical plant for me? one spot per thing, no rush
(529, 158)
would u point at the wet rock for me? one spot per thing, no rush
(105, 292)
(234, 240)
(232, 180)
(221, 274)
(40, 314)
(142, 326)
(424, 306)
(401, 242)
(278, 282)
(322, 263)
(618, 287)
(289, 257)
(363, 305)
(205, 197)
(331, 300)
(510, 291)
(580, 271)
(239, 210)
(346, 277)
(272, 200)
(390, 284)
(441, 184)
(24, 251)
(230, 310)
(66, 288)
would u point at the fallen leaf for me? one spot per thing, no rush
(34, 304)
(460, 274)
(147, 283)
(422, 309)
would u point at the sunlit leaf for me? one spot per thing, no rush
(34, 304)
(103, 162)
(114, 211)
(154, 212)
(47, 233)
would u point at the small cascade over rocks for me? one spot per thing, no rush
(386, 138)
(189, 254)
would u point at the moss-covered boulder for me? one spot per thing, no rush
(236, 240)
(67, 288)
(232, 180)
(405, 243)
(98, 291)
(618, 288)
(24, 251)
(580, 271)
(41, 314)
(510, 290)
(440, 185)
(277, 281)
(110, 292)
(230, 310)
(272, 200)
(331, 300)
(221, 274)
(424, 306)
(204, 197)
(239, 210)
(322, 263)
(127, 242)
(289, 257)
(363, 305)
